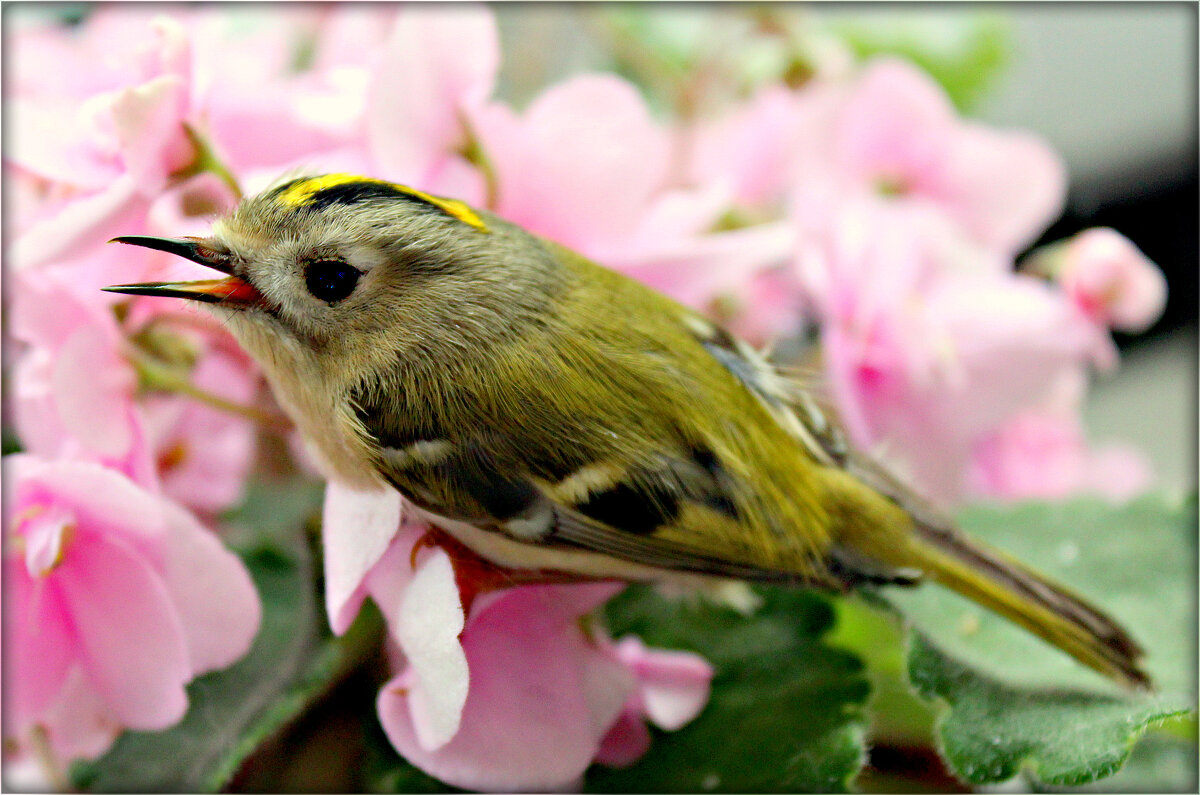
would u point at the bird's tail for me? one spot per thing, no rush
(1046, 609)
(931, 544)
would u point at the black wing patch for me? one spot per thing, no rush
(634, 510)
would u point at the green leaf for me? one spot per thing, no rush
(1016, 703)
(291, 662)
(786, 709)
(962, 50)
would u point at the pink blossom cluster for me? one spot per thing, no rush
(858, 202)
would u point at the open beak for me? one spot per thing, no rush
(231, 291)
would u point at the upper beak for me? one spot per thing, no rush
(230, 291)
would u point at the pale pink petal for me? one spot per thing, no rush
(211, 591)
(132, 646)
(1005, 187)
(86, 221)
(96, 495)
(93, 388)
(716, 265)
(427, 623)
(580, 165)
(894, 129)
(79, 724)
(204, 454)
(148, 121)
(1118, 472)
(438, 60)
(44, 535)
(357, 527)
(38, 641)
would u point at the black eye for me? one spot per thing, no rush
(330, 279)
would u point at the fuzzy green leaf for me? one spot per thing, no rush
(1015, 703)
(786, 709)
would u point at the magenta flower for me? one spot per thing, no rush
(119, 599)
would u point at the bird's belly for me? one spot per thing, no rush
(503, 551)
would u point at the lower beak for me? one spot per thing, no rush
(231, 291)
(211, 291)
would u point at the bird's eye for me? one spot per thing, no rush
(331, 280)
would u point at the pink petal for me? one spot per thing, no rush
(438, 60)
(427, 623)
(99, 497)
(1111, 280)
(132, 646)
(79, 724)
(626, 742)
(674, 685)
(357, 527)
(149, 126)
(716, 265)
(82, 222)
(44, 534)
(895, 127)
(211, 591)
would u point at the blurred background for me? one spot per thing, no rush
(1113, 89)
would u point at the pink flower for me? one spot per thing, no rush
(898, 135)
(105, 155)
(1110, 279)
(119, 598)
(77, 395)
(437, 66)
(560, 164)
(509, 693)
(927, 346)
(759, 149)
(1042, 453)
(73, 390)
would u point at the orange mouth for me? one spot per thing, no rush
(232, 291)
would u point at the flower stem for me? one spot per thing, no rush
(162, 377)
(47, 760)
(206, 160)
(472, 150)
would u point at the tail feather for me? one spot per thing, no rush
(1044, 608)
(1005, 585)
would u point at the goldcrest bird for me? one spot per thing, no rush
(552, 414)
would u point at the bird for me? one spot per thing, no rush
(551, 414)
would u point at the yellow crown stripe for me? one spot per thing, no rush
(302, 193)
